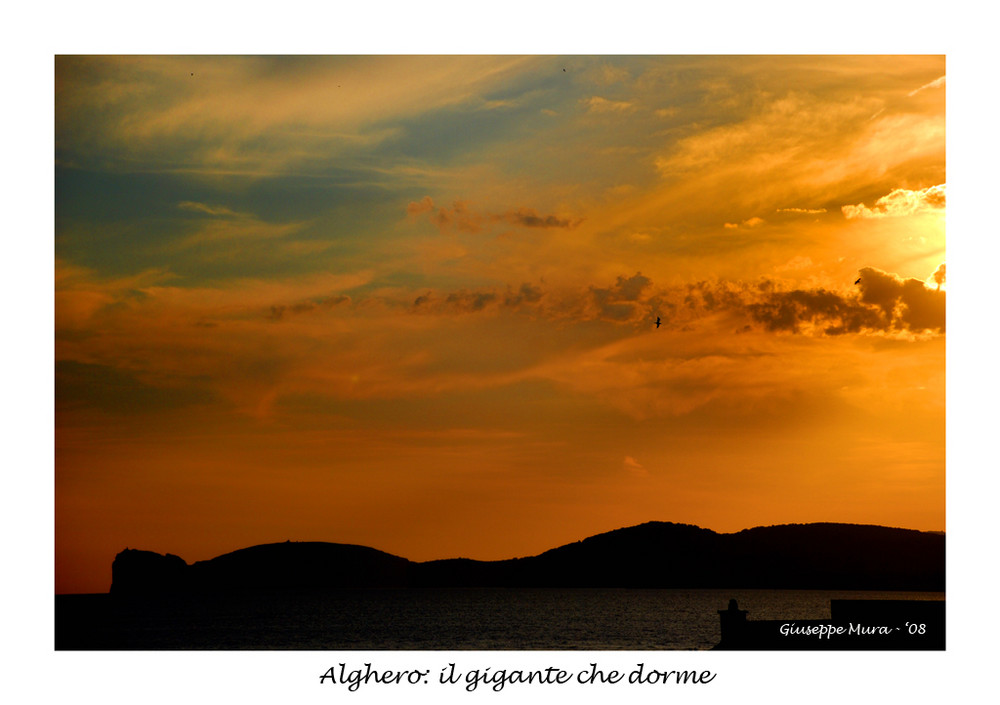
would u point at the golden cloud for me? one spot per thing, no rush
(900, 202)
(597, 104)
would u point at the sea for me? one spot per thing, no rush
(454, 619)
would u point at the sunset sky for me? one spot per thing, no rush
(409, 302)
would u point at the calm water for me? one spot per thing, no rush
(432, 619)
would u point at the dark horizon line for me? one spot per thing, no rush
(516, 558)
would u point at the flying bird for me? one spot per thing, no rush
(858, 281)
(657, 321)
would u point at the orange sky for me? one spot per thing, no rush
(409, 302)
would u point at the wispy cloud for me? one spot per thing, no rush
(789, 148)
(211, 112)
(226, 225)
(752, 222)
(597, 104)
(461, 217)
(936, 83)
(634, 467)
(209, 210)
(803, 211)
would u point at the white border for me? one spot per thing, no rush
(961, 30)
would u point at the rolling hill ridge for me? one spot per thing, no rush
(651, 555)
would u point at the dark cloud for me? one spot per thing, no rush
(708, 297)
(415, 208)
(879, 289)
(631, 289)
(881, 302)
(907, 303)
(461, 301)
(835, 314)
(620, 302)
(472, 301)
(279, 312)
(885, 303)
(526, 294)
(530, 218)
(922, 308)
(461, 217)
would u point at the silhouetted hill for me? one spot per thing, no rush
(813, 555)
(303, 564)
(144, 571)
(655, 554)
(276, 565)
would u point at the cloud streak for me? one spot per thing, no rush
(462, 218)
(597, 104)
(212, 114)
(936, 83)
(279, 312)
(223, 225)
(802, 211)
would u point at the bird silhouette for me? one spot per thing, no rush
(858, 281)
(657, 321)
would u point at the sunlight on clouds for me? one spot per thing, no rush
(900, 202)
(752, 222)
(795, 148)
(937, 280)
(425, 290)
